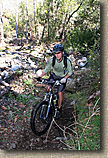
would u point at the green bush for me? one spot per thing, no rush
(12, 21)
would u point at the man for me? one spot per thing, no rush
(60, 71)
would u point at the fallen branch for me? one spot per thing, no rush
(48, 131)
(96, 104)
(71, 147)
(64, 133)
(89, 120)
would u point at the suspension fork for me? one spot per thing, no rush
(48, 109)
(56, 104)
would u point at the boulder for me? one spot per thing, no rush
(5, 74)
(82, 62)
(71, 84)
(15, 67)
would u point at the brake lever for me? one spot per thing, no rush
(57, 83)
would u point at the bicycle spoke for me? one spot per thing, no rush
(40, 123)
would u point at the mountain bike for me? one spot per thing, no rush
(46, 110)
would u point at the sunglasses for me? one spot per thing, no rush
(57, 52)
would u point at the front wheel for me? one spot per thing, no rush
(41, 118)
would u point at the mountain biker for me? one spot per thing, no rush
(60, 71)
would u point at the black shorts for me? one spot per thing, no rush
(61, 88)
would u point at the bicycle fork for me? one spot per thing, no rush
(42, 115)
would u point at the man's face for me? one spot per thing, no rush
(59, 55)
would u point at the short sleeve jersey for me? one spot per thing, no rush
(59, 69)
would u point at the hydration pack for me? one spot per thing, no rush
(64, 60)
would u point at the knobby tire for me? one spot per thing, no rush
(38, 125)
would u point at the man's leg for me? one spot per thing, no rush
(60, 101)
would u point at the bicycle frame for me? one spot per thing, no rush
(48, 97)
(45, 111)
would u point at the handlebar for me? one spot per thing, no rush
(50, 82)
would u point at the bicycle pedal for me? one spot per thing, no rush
(57, 114)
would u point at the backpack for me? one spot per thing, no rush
(64, 60)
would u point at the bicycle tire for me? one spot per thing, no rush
(38, 125)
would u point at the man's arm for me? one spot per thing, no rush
(67, 76)
(39, 78)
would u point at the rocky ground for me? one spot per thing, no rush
(19, 93)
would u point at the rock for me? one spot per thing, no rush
(3, 66)
(76, 67)
(15, 67)
(73, 102)
(71, 83)
(82, 62)
(37, 54)
(49, 52)
(5, 74)
(73, 59)
(7, 51)
(60, 138)
(13, 145)
(32, 64)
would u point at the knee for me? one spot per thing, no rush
(60, 93)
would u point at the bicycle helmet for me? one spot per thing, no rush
(58, 47)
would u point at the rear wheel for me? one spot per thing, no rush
(40, 121)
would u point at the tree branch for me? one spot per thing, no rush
(74, 12)
(62, 32)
